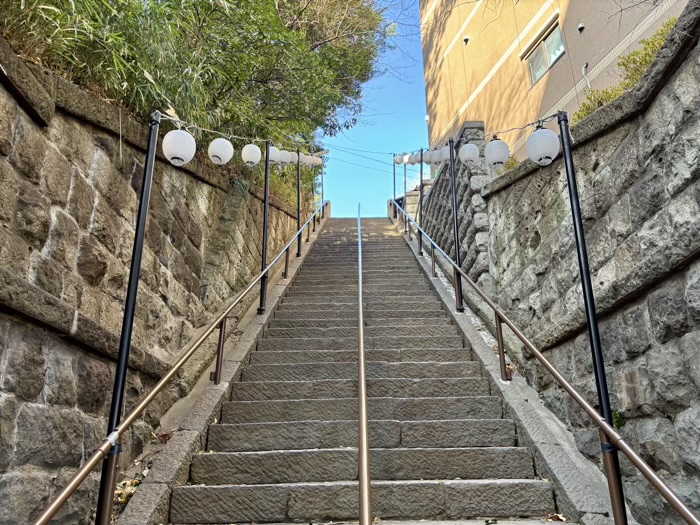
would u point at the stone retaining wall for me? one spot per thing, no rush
(471, 213)
(70, 169)
(639, 180)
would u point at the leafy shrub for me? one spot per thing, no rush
(262, 68)
(634, 65)
(268, 67)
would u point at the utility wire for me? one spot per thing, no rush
(387, 172)
(387, 163)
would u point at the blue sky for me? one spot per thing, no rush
(394, 120)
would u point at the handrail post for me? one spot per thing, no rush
(216, 374)
(420, 207)
(363, 444)
(109, 468)
(455, 224)
(285, 274)
(610, 458)
(266, 217)
(505, 373)
(432, 257)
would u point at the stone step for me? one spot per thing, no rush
(368, 256)
(352, 322)
(399, 409)
(314, 312)
(367, 273)
(350, 343)
(348, 356)
(351, 294)
(370, 331)
(248, 437)
(453, 499)
(347, 388)
(371, 275)
(338, 464)
(516, 521)
(344, 288)
(388, 301)
(375, 369)
(349, 266)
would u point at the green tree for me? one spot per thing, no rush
(257, 68)
(634, 65)
(260, 67)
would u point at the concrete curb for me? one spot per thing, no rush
(580, 489)
(150, 505)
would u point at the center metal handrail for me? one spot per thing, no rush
(607, 432)
(218, 322)
(362, 424)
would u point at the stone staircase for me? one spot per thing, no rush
(285, 447)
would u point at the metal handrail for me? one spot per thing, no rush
(113, 438)
(607, 432)
(363, 445)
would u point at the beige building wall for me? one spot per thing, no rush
(488, 78)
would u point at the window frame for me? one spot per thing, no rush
(541, 47)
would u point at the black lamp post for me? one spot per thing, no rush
(420, 206)
(405, 197)
(393, 162)
(111, 462)
(455, 225)
(299, 203)
(266, 217)
(610, 456)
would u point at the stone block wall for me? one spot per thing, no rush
(471, 213)
(70, 171)
(638, 175)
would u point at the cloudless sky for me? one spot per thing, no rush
(393, 120)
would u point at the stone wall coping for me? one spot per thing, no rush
(631, 103)
(41, 93)
(150, 505)
(580, 488)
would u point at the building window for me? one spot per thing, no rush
(545, 54)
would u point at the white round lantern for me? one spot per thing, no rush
(406, 159)
(304, 159)
(543, 146)
(426, 157)
(179, 147)
(284, 157)
(497, 153)
(220, 151)
(445, 154)
(274, 155)
(469, 153)
(251, 155)
(398, 159)
(293, 157)
(436, 157)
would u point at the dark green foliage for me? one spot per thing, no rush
(255, 67)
